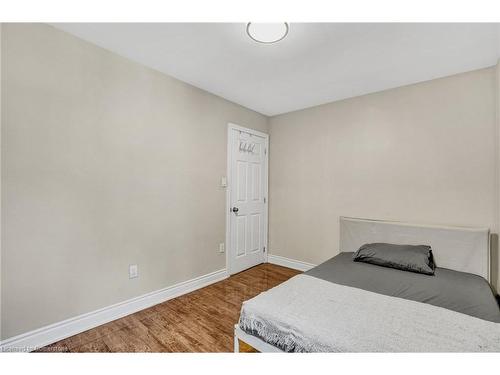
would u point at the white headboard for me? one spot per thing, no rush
(461, 249)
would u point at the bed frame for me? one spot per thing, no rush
(459, 248)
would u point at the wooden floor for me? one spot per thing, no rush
(201, 321)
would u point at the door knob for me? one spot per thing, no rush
(235, 210)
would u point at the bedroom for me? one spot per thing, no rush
(196, 187)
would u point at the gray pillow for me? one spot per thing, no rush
(414, 258)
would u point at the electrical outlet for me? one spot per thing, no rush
(133, 271)
(222, 247)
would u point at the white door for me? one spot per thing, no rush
(247, 201)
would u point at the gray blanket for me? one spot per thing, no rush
(307, 314)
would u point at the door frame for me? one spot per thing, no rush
(231, 127)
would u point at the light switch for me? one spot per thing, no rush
(223, 181)
(133, 271)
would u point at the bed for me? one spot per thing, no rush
(346, 306)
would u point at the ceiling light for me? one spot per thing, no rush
(267, 32)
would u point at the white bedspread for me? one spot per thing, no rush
(307, 314)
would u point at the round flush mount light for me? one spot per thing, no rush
(267, 32)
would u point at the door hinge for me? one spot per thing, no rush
(265, 200)
(265, 151)
(264, 249)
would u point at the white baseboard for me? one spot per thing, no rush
(290, 263)
(49, 334)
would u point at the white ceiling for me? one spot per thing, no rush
(316, 63)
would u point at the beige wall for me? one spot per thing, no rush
(422, 153)
(105, 163)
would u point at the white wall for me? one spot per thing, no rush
(422, 153)
(105, 163)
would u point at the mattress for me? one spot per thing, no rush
(347, 306)
(308, 314)
(457, 291)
